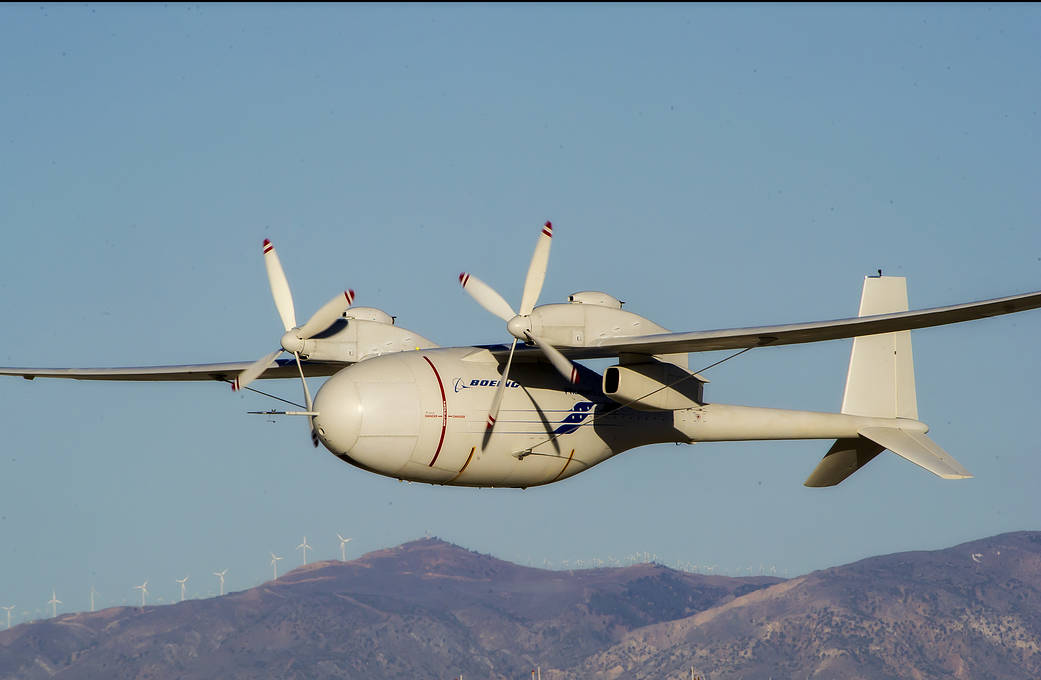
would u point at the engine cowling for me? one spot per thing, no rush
(361, 333)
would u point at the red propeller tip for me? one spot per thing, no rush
(267, 246)
(463, 278)
(235, 385)
(349, 294)
(547, 229)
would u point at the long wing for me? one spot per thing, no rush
(787, 334)
(281, 368)
(816, 331)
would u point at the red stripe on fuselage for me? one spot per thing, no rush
(444, 419)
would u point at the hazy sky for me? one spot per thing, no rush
(713, 166)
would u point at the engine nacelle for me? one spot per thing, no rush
(654, 386)
(362, 332)
(587, 318)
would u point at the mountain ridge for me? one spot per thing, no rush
(431, 608)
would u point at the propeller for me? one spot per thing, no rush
(519, 323)
(294, 336)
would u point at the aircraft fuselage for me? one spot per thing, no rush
(421, 416)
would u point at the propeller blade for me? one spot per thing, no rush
(493, 413)
(254, 370)
(324, 317)
(486, 296)
(279, 286)
(537, 270)
(559, 361)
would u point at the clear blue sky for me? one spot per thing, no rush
(713, 166)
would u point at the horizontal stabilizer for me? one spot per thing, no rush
(917, 448)
(845, 457)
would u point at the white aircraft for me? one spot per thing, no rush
(524, 415)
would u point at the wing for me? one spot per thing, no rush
(280, 368)
(817, 331)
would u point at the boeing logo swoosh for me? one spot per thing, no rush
(579, 412)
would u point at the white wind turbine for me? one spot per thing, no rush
(274, 566)
(54, 602)
(182, 582)
(92, 594)
(220, 575)
(303, 547)
(144, 591)
(8, 610)
(343, 547)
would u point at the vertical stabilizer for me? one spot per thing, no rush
(880, 382)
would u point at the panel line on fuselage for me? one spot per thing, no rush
(566, 463)
(465, 465)
(444, 417)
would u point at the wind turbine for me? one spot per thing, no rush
(92, 594)
(343, 547)
(8, 610)
(54, 602)
(220, 575)
(182, 581)
(274, 566)
(303, 547)
(144, 591)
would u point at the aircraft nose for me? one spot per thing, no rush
(339, 408)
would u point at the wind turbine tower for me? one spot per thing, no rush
(343, 547)
(54, 602)
(303, 547)
(144, 591)
(220, 575)
(92, 594)
(274, 566)
(8, 610)
(182, 582)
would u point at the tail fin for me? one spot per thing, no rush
(880, 382)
